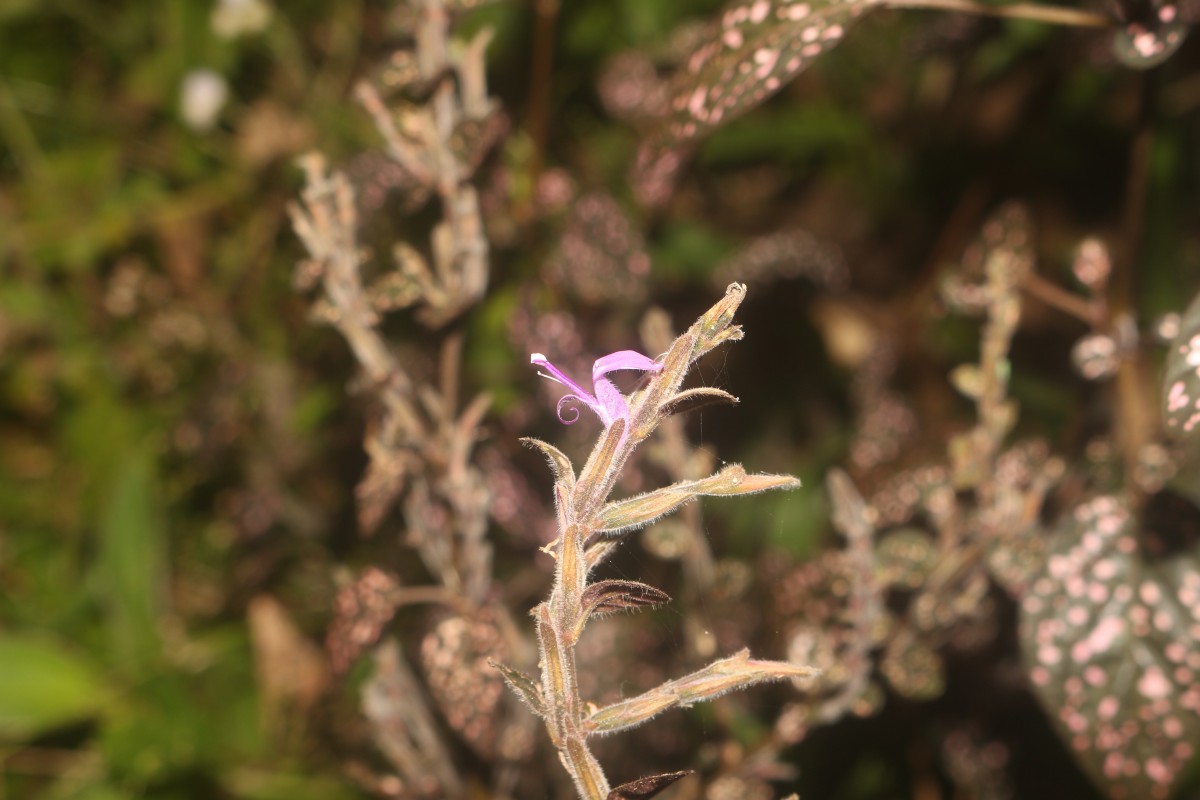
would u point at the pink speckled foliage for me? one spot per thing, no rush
(1181, 392)
(1152, 36)
(1110, 642)
(753, 49)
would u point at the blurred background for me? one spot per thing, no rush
(180, 441)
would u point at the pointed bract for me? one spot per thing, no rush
(647, 787)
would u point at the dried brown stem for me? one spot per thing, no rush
(540, 75)
(865, 604)
(1034, 12)
(405, 729)
(1055, 296)
(1135, 407)
(420, 445)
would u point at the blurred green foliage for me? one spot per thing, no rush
(130, 411)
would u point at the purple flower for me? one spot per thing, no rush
(608, 402)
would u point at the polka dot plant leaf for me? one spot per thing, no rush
(754, 49)
(1109, 638)
(1147, 42)
(1181, 390)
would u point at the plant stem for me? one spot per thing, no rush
(565, 709)
(557, 631)
(1135, 408)
(1053, 15)
(540, 75)
(1059, 298)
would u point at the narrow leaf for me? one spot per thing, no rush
(759, 482)
(693, 399)
(559, 463)
(645, 508)
(735, 672)
(524, 686)
(131, 567)
(646, 787)
(44, 686)
(605, 597)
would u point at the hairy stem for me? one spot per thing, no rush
(585, 518)
(564, 709)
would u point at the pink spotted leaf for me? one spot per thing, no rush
(1110, 637)
(752, 51)
(1151, 33)
(1181, 389)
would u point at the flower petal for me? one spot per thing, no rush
(607, 400)
(622, 359)
(612, 403)
(572, 402)
(558, 375)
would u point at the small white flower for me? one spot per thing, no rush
(202, 97)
